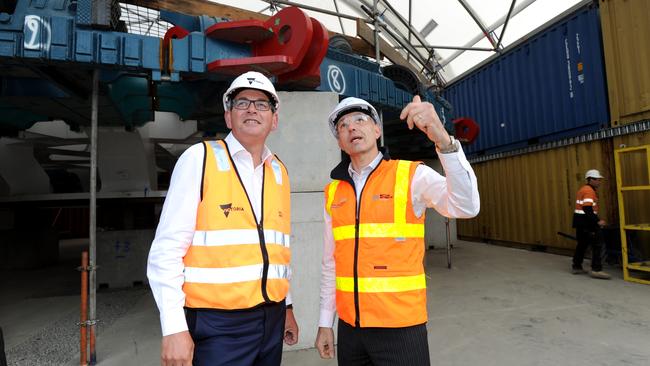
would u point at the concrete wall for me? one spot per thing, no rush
(304, 143)
(122, 257)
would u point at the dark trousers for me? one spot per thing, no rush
(237, 338)
(588, 238)
(382, 346)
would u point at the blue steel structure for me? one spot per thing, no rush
(548, 87)
(353, 76)
(48, 49)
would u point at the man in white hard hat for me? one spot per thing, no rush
(372, 269)
(588, 226)
(219, 264)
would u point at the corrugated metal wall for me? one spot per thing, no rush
(551, 86)
(528, 198)
(626, 42)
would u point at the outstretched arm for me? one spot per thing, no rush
(456, 193)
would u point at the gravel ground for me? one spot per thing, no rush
(58, 342)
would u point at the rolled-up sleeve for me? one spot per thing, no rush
(454, 195)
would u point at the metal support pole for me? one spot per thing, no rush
(313, 8)
(3, 356)
(336, 7)
(83, 318)
(93, 216)
(505, 25)
(477, 20)
(408, 55)
(375, 22)
(520, 6)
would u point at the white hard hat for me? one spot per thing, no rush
(593, 173)
(251, 80)
(348, 105)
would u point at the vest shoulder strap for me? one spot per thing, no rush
(331, 191)
(220, 154)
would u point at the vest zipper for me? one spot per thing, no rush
(259, 224)
(265, 258)
(357, 320)
(260, 233)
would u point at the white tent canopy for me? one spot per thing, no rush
(456, 24)
(442, 38)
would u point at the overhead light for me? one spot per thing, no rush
(431, 25)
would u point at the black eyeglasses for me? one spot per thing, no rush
(243, 104)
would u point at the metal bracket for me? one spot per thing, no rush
(88, 268)
(88, 323)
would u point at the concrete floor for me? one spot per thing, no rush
(496, 306)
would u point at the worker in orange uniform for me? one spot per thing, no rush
(372, 269)
(219, 264)
(588, 226)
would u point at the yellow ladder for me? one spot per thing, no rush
(633, 187)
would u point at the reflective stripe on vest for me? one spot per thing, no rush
(233, 262)
(277, 172)
(586, 196)
(330, 195)
(398, 231)
(234, 274)
(221, 156)
(243, 236)
(382, 284)
(389, 270)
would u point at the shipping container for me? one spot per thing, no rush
(626, 42)
(527, 199)
(546, 87)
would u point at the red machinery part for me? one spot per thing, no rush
(292, 34)
(175, 32)
(242, 31)
(466, 129)
(308, 73)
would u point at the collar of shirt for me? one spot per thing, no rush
(365, 171)
(238, 151)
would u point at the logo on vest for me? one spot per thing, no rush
(339, 203)
(228, 207)
(382, 196)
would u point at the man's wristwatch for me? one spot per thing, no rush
(451, 148)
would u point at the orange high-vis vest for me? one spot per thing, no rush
(379, 252)
(586, 196)
(236, 262)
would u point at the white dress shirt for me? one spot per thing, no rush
(453, 196)
(178, 221)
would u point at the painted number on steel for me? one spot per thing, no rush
(122, 248)
(37, 33)
(335, 79)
